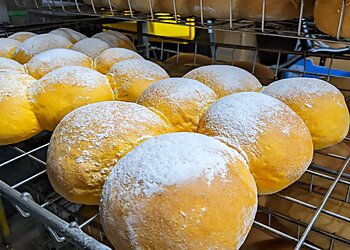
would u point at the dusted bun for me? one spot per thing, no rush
(50, 60)
(115, 39)
(72, 35)
(65, 89)
(88, 143)
(91, 47)
(321, 105)
(179, 191)
(9, 64)
(179, 101)
(37, 44)
(133, 76)
(327, 17)
(8, 47)
(18, 120)
(224, 79)
(22, 36)
(276, 141)
(109, 57)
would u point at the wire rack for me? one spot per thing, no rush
(288, 29)
(33, 197)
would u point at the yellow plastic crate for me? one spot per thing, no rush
(166, 28)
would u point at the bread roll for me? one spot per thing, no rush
(97, 3)
(22, 36)
(109, 57)
(225, 80)
(18, 122)
(120, 4)
(189, 59)
(213, 9)
(144, 6)
(133, 76)
(50, 60)
(274, 138)
(8, 47)
(168, 6)
(72, 35)
(275, 10)
(321, 105)
(263, 73)
(180, 101)
(65, 89)
(88, 143)
(327, 17)
(115, 39)
(179, 191)
(303, 214)
(91, 47)
(9, 64)
(37, 44)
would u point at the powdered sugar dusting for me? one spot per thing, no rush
(39, 43)
(70, 75)
(113, 55)
(6, 45)
(240, 117)
(170, 159)
(185, 98)
(119, 119)
(225, 78)
(91, 47)
(139, 68)
(295, 87)
(13, 84)
(50, 60)
(9, 64)
(71, 35)
(249, 216)
(22, 36)
(176, 89)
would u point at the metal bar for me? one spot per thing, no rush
(88, 221)
(231, 13)
(28, 179)
(110, 7)
(22, 155)
(279, 233)
(30, 156)
(263, 16)
(151, 9)
(341, 18)
(326, 176)
(305, 204)
(130, 9)
(202, 11)
(318, 211)
(301, 17)
(332, 155)
(93, 7)
(175, 10)
(50, 220)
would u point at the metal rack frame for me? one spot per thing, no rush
(49, 210)
(286, 29)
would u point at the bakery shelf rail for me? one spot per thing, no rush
(301, 28)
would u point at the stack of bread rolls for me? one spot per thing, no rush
(173, 162)
(62, 62)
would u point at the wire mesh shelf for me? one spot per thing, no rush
(302, 28)
(32, 196)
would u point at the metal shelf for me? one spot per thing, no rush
(61, 217)
(301, 28)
